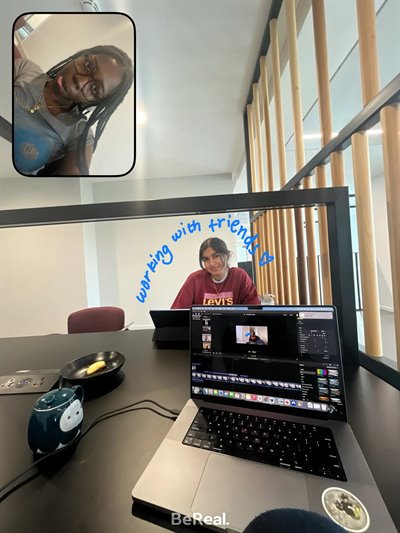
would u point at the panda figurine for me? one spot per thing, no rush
(56, 419)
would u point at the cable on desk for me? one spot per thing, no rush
(121, 410)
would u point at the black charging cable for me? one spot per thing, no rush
(120, 411)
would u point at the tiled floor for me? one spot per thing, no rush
(388, 334)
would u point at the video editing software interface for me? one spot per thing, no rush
(269, 357)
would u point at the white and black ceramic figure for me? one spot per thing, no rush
(56, 419)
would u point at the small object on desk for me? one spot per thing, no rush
(22, 382)
(56, 419)
(94, 367)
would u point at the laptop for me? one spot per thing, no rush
(265, 426)
(171, 327)
(170, 318)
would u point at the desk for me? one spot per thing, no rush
(91, 493)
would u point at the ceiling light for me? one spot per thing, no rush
(141, 116)
(310, 136)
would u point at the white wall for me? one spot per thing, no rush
(20, 193)
(124, 264)
(42, 279)
(42, 269)
(159, 188)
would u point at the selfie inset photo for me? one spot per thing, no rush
(252, 335)
(74, 98)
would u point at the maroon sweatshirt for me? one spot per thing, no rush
(199, 288)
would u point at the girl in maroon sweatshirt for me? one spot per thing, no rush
(216, 283)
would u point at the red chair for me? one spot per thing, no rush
(94, 319)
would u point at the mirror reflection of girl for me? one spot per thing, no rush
(53, 133)
(216, 283)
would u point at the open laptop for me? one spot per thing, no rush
(265, 427)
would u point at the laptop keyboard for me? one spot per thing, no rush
(302, 447)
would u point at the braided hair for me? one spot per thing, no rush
(102, 111)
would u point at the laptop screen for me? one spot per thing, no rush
(280, 358)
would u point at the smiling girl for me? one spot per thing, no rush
(216, 283)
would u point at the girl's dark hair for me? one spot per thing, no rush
(218, 245)
(102, 111)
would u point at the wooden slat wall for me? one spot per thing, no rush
(324, 99)
(337, 165)
(250, 130)
(299, 142)
(258, 227)
(362, 183)
(281, 233)
(272, 241)
(286, 220)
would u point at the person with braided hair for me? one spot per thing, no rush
(55, 112)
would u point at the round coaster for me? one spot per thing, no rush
(345, 509)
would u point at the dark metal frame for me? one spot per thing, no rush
(383, 367)
(335, 199)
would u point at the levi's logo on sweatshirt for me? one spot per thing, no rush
(223, 298)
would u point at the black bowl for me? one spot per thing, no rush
(75, 371)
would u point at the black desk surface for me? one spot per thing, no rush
(91, 492)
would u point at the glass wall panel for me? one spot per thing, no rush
(51, 271)
(381, 244)
(388, 39)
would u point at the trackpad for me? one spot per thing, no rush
(243, 489)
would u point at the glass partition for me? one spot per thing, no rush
(138, 255)
(136, 264)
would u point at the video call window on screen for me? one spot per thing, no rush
(298, 336)
(252, 335)
(73, 101)
(289, 359)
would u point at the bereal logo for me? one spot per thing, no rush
(219, 520)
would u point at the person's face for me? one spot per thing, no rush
(213, 263)
(87, 79)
